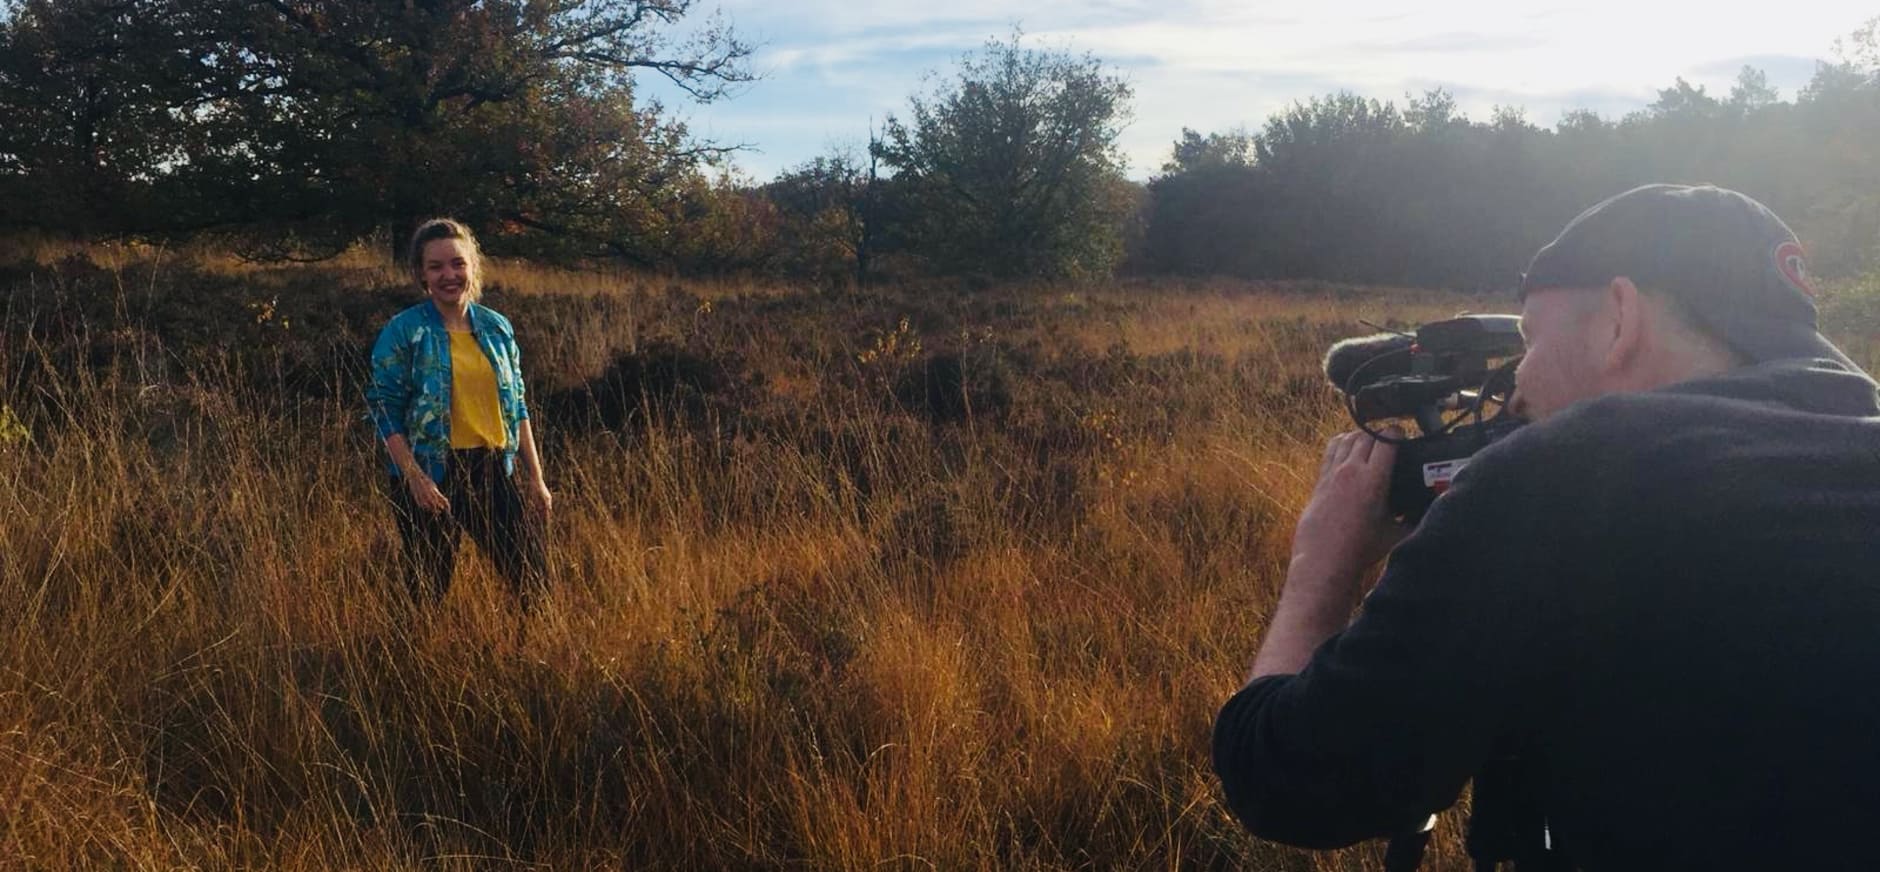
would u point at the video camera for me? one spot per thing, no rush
(1437, 384)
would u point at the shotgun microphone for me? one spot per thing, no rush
(1380, 355)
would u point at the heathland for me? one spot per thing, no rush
(925, 576)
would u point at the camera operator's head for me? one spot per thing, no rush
(1658, 285)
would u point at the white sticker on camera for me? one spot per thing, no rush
(1437, 476)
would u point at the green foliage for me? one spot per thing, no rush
(1684, 100)
(830, 217)
(294, 129)
(1752, 91)
(87, 88)
(1853, 308)
(1351, 188)
(304, 126)
(723, 226)
(1194, 152)
(1354, 189)
(1011, 169)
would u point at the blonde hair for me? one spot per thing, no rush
(448, 228)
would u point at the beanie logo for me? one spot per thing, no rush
(1794, 267)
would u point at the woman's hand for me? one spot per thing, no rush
(536, 497)
(424, 492)
(529, 481)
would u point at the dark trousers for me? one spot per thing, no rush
(483, 501)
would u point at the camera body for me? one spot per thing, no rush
(1438, 382)
(1426, 465)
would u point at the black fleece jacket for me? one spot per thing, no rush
(1668, 603)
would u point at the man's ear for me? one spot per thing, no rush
(1630, 324)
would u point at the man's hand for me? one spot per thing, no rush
(1345, 530)
(1346, 526)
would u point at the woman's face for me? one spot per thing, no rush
(448, 271)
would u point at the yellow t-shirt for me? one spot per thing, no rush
(476, 416)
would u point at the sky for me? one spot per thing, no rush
(830, 66)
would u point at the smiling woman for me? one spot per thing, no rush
(448, 400)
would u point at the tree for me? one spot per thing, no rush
(1510, 119)
(87, 88)
(1323, 163)
(1582, 122)
(319, 121)
(1433, 112)
(584, 172)
(1011, 169)
(1194, 152)
(1838, 213)
(1341, 122)
(1684, 100)
(727, 227)
(446, 105)
(1203, 208)
(1860, 50)
(829, 208)
(1752, 91)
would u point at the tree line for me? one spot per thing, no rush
(1356, 189)
(297, 128)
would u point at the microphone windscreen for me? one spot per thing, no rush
(1390, 350)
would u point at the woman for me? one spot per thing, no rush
(447, 399)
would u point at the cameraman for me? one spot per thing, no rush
(1662, 596)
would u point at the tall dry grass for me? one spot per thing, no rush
(910, 579)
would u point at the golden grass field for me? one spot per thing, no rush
(826, 600)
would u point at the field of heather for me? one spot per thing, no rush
(922, 577)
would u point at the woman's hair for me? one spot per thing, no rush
(447, 228)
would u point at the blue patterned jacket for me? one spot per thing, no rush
(410, 389)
